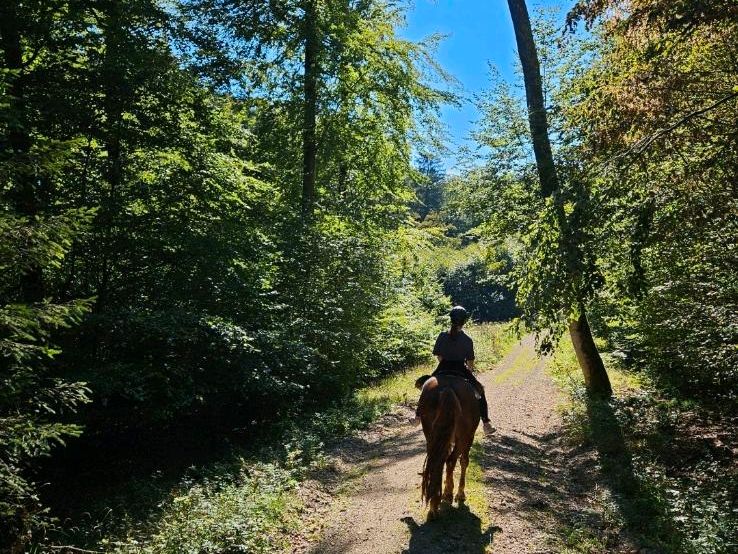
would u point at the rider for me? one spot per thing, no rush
(455, 352)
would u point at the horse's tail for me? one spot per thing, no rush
(439, 443)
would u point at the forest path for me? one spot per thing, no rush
(379, 511)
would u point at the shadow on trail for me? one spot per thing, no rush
(535, 478)
(457, 530)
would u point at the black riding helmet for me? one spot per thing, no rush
(459, 315)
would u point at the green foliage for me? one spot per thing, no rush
(666, 462)
(33, 393)
(150, 159)
(642, 229)
(250, 512)
(428, 186)
(661, 150)
(479, 285)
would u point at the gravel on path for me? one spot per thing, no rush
(381, 513)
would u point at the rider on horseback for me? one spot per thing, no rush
(455, 352)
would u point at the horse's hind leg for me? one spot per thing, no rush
(461, 495)
(448, 493)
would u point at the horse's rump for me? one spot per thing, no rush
(450, 415)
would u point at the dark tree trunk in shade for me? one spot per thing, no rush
(595, 375)
(25, 194)
(310, 91)
(113, 84)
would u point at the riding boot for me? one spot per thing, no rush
(483, 408)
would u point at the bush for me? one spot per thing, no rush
(34, 396)
(248, 513)
(481, 291)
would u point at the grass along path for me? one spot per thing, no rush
(381, 511)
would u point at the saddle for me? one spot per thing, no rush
(420, 381)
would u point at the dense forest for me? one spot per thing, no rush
(224, 214)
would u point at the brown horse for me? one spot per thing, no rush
(449, 411)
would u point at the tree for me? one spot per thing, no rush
(35, 237)
(26, 193)
(429, 185)
(655, 113)
(34, 396)
(172, 154)
(595, 375)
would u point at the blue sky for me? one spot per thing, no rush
(479, 32)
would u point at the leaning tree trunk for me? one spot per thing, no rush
(310, 101)
(595, 375)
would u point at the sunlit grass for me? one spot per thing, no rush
(491, 341)
(565, 370)
(476, 496)
(520, 367)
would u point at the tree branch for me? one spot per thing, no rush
(640, 146)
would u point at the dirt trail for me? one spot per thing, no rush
(382, 513)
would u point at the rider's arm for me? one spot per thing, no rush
(437, 348)
(470, 356)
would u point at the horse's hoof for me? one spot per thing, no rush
(461, 498)
(448, 498)
(432, 515)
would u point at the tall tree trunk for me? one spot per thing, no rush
(25, 193)
(310, 101)
(595, 375)
(112, 76)
(534, 97)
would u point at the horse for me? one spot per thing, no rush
(449, 412)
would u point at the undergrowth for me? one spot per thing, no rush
(248, 500)
(668, 466)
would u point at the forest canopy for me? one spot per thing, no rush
(218, 212)
(157, 265)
